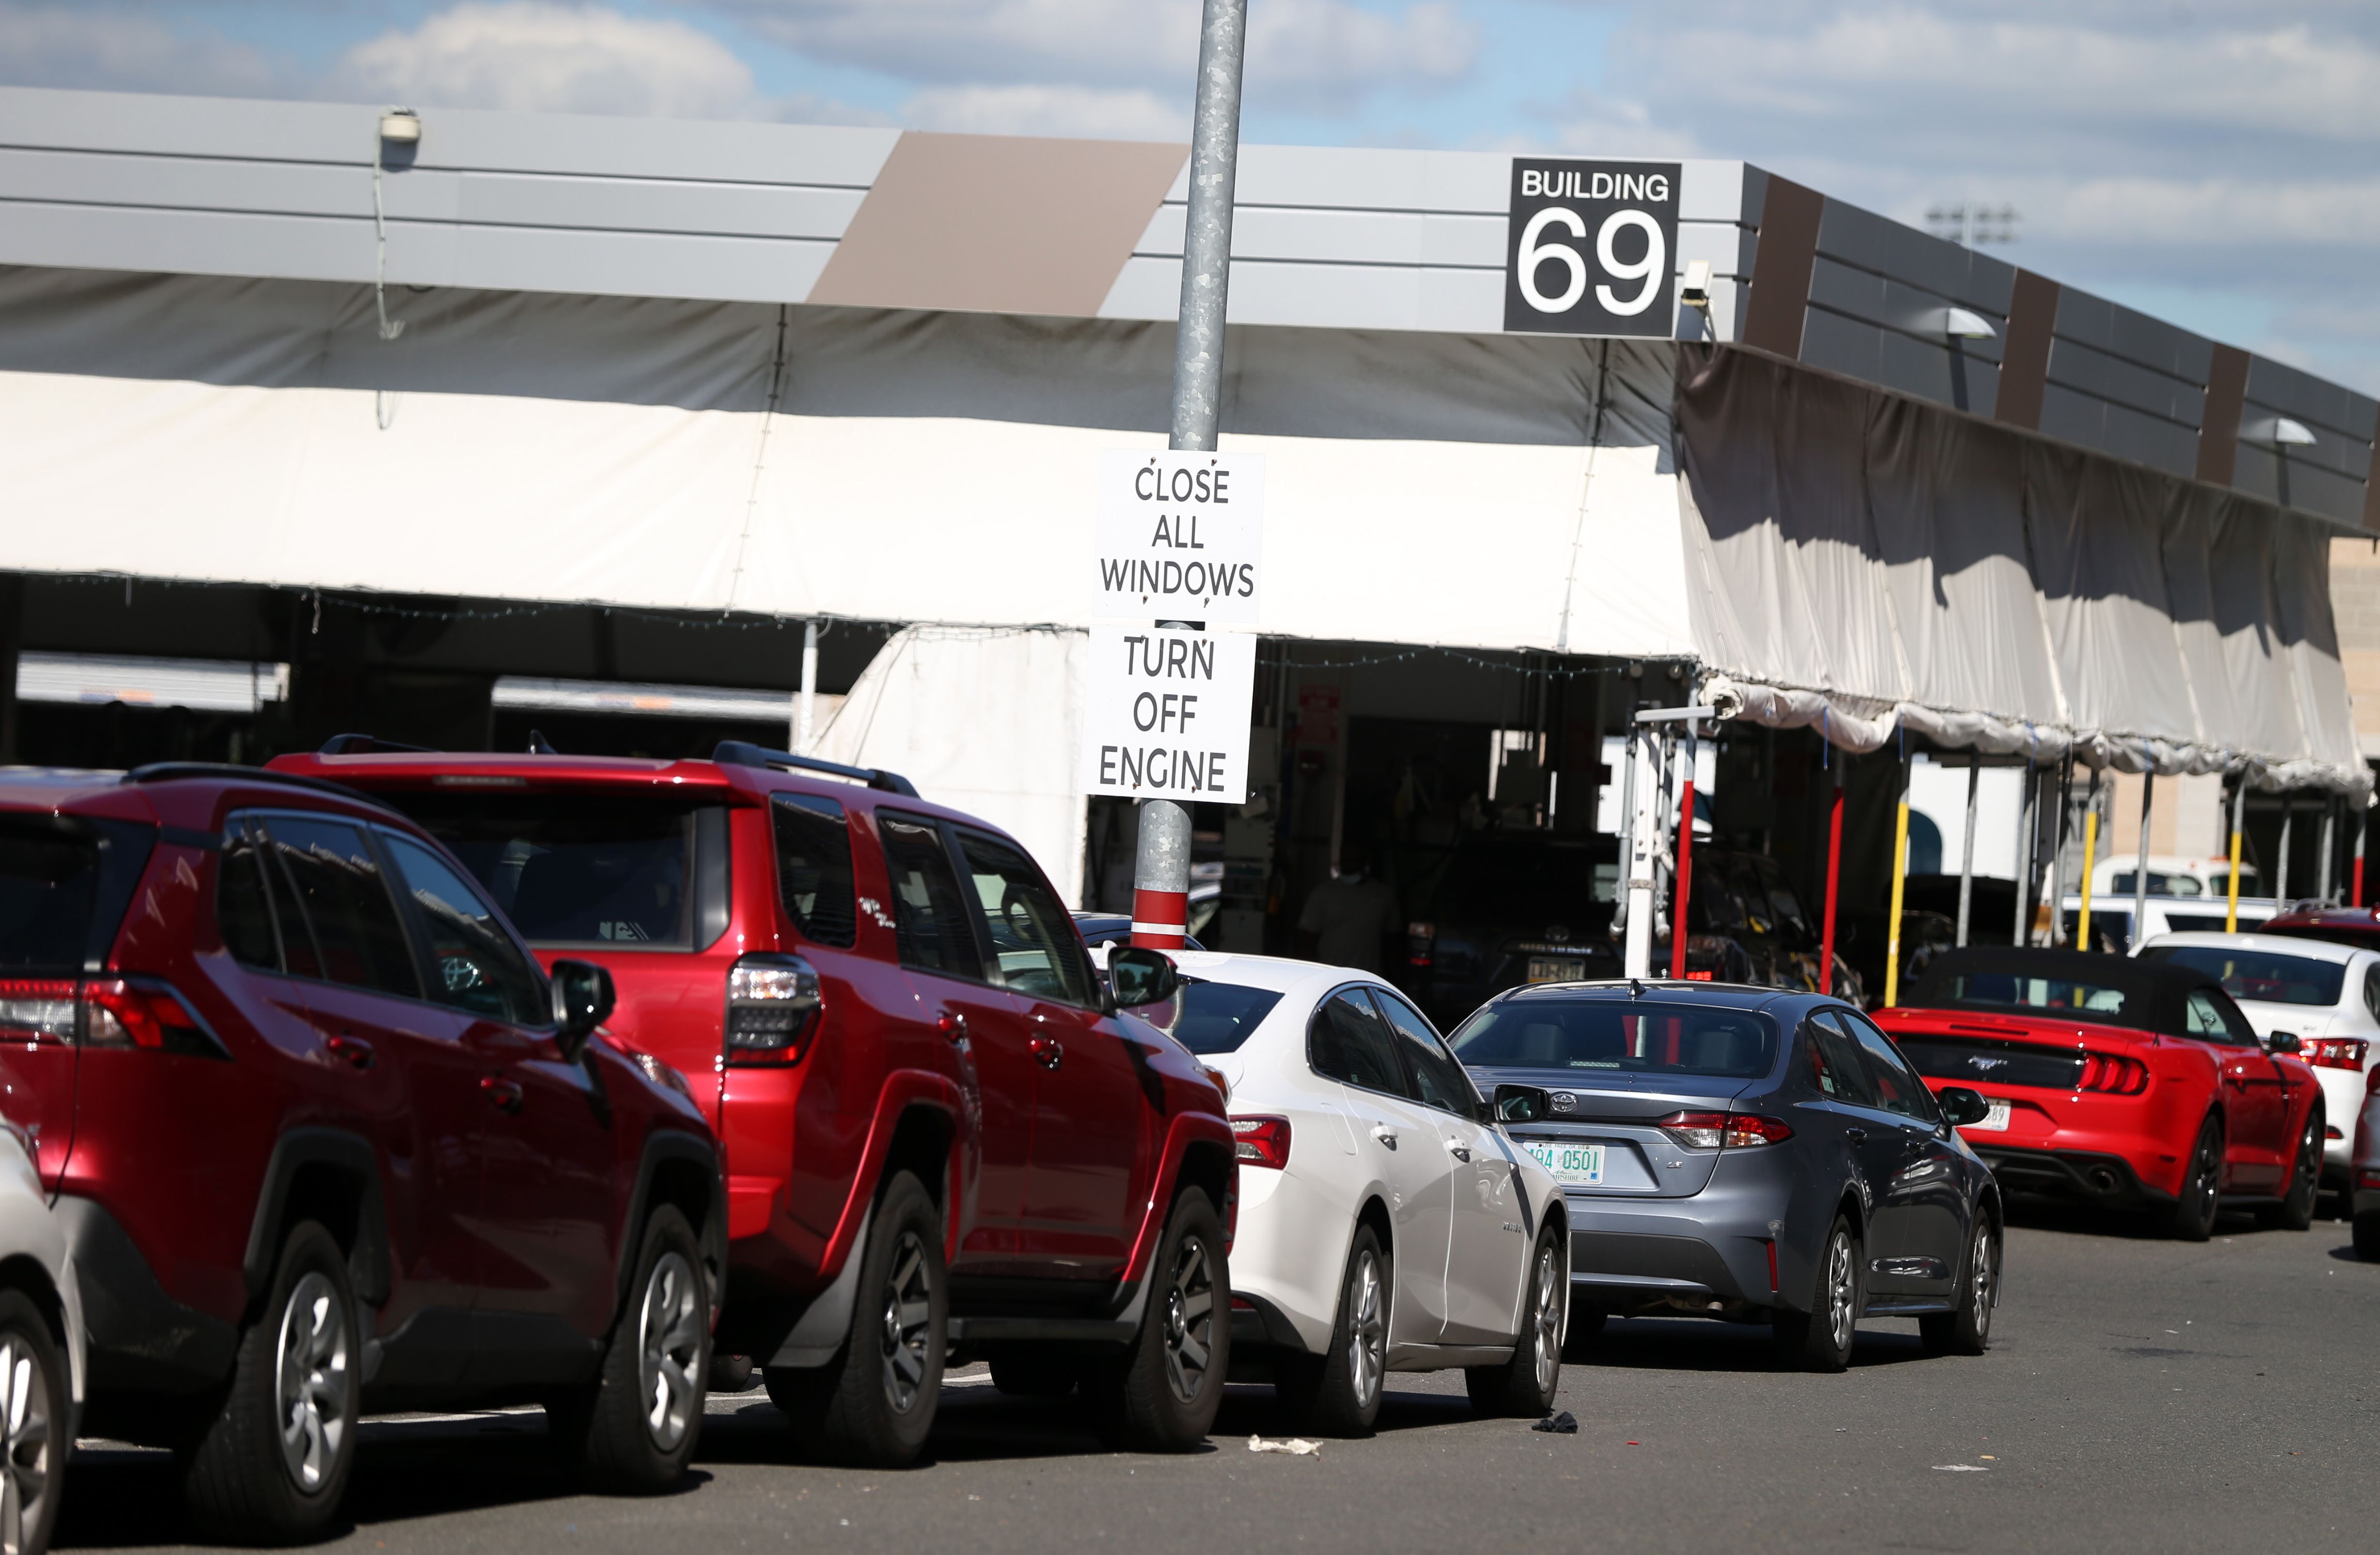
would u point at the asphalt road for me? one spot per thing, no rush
(2141, 1396)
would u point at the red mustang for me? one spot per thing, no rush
(2125, 1083)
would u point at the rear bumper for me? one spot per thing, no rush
(141, 1339)
(1707, 1251)
(2091, 1177)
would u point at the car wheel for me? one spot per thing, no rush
(271, 1466)
(2193, 1216)
(1161, 1396)
(1036, 1374)
(33, 1415)
(1587, 1320)
(1526, 1385)
(874, 1404)
(2367, 1236)
(1338, 1392)
(634, 1430)
(2295, 1212)
(1967, 1331)
(1820, 1338)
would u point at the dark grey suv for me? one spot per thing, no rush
(1750, 1155)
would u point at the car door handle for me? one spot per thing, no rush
(952, 1027)
(1458, 1150)
(352, 1050)
(506, 1094)
(1856, 1134)
(1047, 1051)
(1386, 1136)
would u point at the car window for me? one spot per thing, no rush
(573, 869)
(1897, 1088)
(814, 866)
(1033, 937)
(2371, 988)
(1437, 1077)
(49, 885)
(929, 912)
(2269, 977)
(2210, 1017)
(1633, 1037)
(355, 936)
(1209, 1018)
(1835, 1060)
(475, 963)
(243, 911)
(1347, 1040)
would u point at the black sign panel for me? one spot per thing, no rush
(1591, 247)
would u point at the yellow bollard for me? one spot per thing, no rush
(2089, 856)
(1900, 879)
(2231, 913)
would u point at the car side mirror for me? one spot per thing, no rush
(1138, 976)
(1961, 1106)
(583, 1000)
(1522, 1104)
(2284, 1042)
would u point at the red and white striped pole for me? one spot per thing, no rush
(1160, 879)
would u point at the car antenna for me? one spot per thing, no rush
(540, 746)
(1635, 989)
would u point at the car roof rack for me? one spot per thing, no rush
(742, 753)
(370, 745)
(173, 771)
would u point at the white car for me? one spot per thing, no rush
(42, 1352)
(2325, 995)
(1386, 1222)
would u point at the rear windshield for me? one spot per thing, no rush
(572, 869)
(2012, 993)
(1603, 1035)
(49, 885)
(2267, 976)
(1211, 1017)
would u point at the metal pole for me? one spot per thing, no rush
(1685, 867)
(2239, 802)
(2141, 866)
(1624, 833)
(2058, 850)
(2362, 821)
(1899, 882)
(1161, 872)
(2282, 864)
(1636, 954)
(2329, 840)
(1834, 880)
(1967, 855)
(2028, 853)
(2090, 861)
(803, 722)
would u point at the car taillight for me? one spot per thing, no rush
(1261, 1141)
(2337, 1052)
(1421, 943)
(1724, 1131)
(2368, 1177)
(772, 1009)
(104, 1012)
(2113, 1075)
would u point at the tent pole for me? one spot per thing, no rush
(1899, 884)
(803, 722)
(2141, 866)
(1685, 864)
(2239, 803)
(2058, 850)
(1637, 857)
(1967, 855)
(2281, 866)
(2090, 861)
(2363, 821)
(2028, 850)
(1834, 880)
(2329, 838)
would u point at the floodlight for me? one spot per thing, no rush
(1962, 324)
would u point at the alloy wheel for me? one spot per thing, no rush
(1983, 1274)
(1189, 1318)
(671, 1327)
(2209, 1181)
(908, 1321)
(314, 1380)
(25, 1419)
(1840, 1283)
(1367, 1333)
(1546, 1326)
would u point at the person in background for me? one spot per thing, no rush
(1348, 920)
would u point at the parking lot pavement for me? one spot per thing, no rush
(2141, 1396)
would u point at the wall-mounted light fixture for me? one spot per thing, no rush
(1959, 323)
(1694, 293)
(401, 127)
(2278, 432)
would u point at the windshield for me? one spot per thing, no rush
(2266, 976)
(572, 869)
(2012, 994)
(1601, 1034)
(1209, 1018)
(1518, 884)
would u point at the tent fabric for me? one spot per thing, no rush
(1861, 564)
(985, 721)
(1491, 492)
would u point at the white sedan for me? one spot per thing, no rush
(1386, 1222)
(2325, 995)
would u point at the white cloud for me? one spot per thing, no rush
(1128, 115)
(538, 55)
(100, 47)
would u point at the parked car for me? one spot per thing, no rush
(940, 1138)
(1510, 909)
(2325, 995)
(325, 1137)
(43, 1352)
(2111, 918)
(1387, 1223)
(1752, 1156)
(1743, 896)
(2121, 1082)
(2338, 926)
(2364, 1179)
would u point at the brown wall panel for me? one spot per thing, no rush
(2024, 364)
(1787, 247)
(2218, 426)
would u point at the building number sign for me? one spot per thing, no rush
(1591, 248)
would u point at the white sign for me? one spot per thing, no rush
(1179, 536)
(1169, 715)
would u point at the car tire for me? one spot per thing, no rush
(2192, 1218)
(247, 1483)
(1338, 1392)
(873, 1405)
(1524, 1386)
(1037, 1374)
(2295, 1211)
(1587, 1320)
(633, 1431)
(732, 1374)
(1967, 1329)
(36, 1420)
(1161, 1395)
(1820, 1338)
(2367, 1236)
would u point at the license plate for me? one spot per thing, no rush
(1579, 1165)
(1557, 968)
(1994, 1122)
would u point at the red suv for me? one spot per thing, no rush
(941, 1137)
(322, 1135)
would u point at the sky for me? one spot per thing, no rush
(2211, 163)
